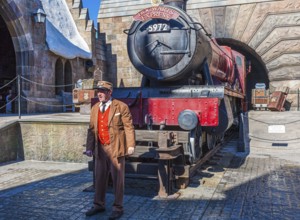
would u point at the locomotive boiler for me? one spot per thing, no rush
(192, 89)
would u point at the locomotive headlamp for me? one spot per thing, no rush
(188, 120)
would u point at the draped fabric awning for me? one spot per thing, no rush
(62, 36)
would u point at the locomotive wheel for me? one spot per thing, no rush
(211, 141)
(196, 143)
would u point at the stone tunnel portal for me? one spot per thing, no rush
(258, 74)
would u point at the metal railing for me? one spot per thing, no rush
(17, 96)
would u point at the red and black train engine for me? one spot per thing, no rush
(192, 89)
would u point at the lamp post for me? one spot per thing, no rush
(39, 16)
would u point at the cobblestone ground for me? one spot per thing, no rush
(231, 186)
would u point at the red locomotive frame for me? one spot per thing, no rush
(166, 110)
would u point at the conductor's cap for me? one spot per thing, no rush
(104, 85)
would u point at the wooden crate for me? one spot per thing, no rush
(83, 95)
(260, 92)
(261, 101)
(260, 98)
(277, 100)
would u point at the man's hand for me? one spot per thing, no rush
(88, 153)
(130, 150)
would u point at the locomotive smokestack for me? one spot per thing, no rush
(176, 3)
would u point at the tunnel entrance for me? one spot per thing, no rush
(258, 74)
(7, 66)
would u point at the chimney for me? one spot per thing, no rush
(176, 3)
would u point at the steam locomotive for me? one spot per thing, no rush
(192, 89)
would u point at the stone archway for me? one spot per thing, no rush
(63, 76)
(14, 21)
(259, 72)
(268, 29)
(59, 77)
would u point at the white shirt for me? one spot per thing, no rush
(107, 104)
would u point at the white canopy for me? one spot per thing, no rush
(62, 36)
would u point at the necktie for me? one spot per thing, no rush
(103, 108)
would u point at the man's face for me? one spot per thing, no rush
(103, 95)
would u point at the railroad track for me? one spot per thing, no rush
(230, 134)
(149, 176)
(173, 175)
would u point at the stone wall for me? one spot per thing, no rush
(54, 141)
(9, 142)
(43, 141)
(269, 28)
(33, 59)
(120, 71)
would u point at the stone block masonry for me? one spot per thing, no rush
(9, 142)
(43, 141)
(51, 141)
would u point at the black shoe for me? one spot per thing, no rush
(115, 215)
(94, 211)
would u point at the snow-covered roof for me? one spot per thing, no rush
(62, 36)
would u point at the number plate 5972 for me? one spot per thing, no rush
(159, 27)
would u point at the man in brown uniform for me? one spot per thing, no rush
(111, 136)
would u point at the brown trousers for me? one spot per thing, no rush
(105, 164)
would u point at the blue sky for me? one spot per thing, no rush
(93, 6)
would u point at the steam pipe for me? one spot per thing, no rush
(176, 3)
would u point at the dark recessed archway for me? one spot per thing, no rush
(68, 77)
(7, 63)
(59, 77)
(258, 74)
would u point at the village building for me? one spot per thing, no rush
(46, 47)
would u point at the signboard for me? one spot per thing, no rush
(276, 129)
(156, 12)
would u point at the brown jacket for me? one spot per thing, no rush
(120, 126)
